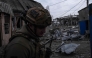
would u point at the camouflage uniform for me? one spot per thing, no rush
(27, 44)
(21, 48)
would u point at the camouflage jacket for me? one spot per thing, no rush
(20, 47)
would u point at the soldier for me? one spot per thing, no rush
(25, 43)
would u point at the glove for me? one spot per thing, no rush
(48, 53)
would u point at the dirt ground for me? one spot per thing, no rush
(83, 51)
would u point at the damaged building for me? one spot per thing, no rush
(19, 8)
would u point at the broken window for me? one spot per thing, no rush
(7, 23)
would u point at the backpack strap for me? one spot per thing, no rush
(19, 34)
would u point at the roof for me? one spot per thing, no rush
(85, 7)
(22, 5)
(5, 8)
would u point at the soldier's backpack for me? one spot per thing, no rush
(2, 54)
(18, 34)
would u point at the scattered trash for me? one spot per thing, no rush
(69, 48)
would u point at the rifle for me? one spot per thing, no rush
(49, 41)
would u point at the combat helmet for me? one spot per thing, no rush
(38, 16)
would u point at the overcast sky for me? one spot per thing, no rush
(60, 8)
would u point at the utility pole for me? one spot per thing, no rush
(87, 3)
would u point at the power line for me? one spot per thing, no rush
(58, 3)
(71, 8)
(79, 6)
